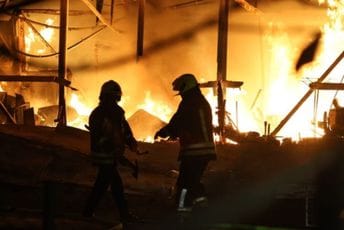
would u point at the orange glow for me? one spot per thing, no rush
(156, 108)
(32, 40)
(47, 34)
(79, 123)
(286, 89)
(149, 139)
(80, 107)
(29, 39)
(233, 109)
(83, 111)
(283, 86)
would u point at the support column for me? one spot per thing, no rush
(62, 67)
(222, 64)
(140, 28)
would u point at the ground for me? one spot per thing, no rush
(46, 176)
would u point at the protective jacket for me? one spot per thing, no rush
(109, 133)
(192, 124)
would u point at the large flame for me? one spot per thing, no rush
(155, 107)
(82, 109)
(80, 106)
(31, 38)
(284, 90)
(47, 34)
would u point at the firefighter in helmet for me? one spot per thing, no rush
(110, 133)
(192, 125)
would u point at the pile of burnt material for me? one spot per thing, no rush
(144, 124)
(47, 115)
(15, 110)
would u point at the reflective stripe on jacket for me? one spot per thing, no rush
(110, 133)
(192, 124)
(102, 157)
(199, 149)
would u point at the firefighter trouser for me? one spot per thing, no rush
(190, 173)
(107, 175)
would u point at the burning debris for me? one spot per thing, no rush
(333, 123)
(15, 110)
(48, 114)
(145, 125)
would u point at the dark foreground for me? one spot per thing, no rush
(46, 176)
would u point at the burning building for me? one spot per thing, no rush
(263, 47)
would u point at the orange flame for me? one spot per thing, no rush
(82, 109)
(156, 108)
(284, 90)
(30, 37)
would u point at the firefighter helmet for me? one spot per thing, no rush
(111, 88)
(184, 83)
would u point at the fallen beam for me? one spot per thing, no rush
(225, 83)
(36, 78)
(326, 86)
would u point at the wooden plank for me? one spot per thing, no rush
(62, 62)
(98, 15)
(33, 78)
(327, 86)
(7, 113)
(222, 64)
(227, 84)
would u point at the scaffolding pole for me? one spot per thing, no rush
(140, 28)
(62, 67)
(307, 94)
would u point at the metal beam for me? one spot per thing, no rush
(112, 11)
(98, 15)
(7, 113)
(34, 78)
(140, 28)
(56, 12)
(227, 84)
(62, 67)
(326, 86)
(222, 64)
(222, 40)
